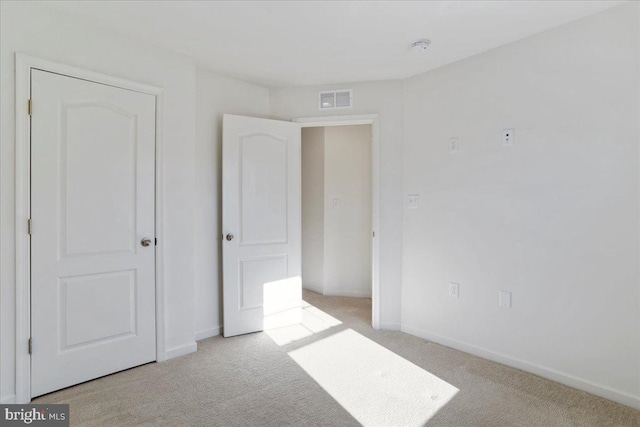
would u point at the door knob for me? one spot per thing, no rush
(229, 237)
(145, 242)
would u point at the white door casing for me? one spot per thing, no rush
(92, 202)
(261, 222)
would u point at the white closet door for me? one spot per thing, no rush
(93, 227)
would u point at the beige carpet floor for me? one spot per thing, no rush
(259, 380)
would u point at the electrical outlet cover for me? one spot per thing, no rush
(413, 201)
(454, 290)
(504, 299)
(508, 137)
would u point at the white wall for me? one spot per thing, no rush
(312, 149)
(385, 99)
(336, 237)
(553, 219)
(30, 29)
(347, 227)
(215, 96)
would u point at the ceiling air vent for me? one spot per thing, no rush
(333, 99)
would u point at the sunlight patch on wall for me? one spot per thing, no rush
(376, 386)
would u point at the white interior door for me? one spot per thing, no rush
(92, 204)
(261, 222)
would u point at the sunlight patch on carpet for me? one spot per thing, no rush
(313, 321)
(376, 386)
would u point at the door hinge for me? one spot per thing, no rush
(374, 234)
(30, 345)
(156, 241)
(29, 226)
(29, 107)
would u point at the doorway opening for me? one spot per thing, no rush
(339, 200)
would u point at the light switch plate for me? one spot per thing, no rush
(335, 203)
(453, 145)
(413, 201)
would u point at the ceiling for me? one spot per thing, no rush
(282, 43)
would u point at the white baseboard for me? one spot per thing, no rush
(389, 326)
(317, 290)
(352, 294)
(548, 373)
(208, 333)
(182, 350)
(8, 400)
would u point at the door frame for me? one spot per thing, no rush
(24, 65)
(374, 121)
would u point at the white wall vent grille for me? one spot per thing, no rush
(334, 99)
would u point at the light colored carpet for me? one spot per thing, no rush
(298, 377)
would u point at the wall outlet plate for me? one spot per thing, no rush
(454, 290)
(504, 299)
(413, 201)
(508, 137)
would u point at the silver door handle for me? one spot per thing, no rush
(145, 242)
(230, 237)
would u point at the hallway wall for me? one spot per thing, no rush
(347, 207)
